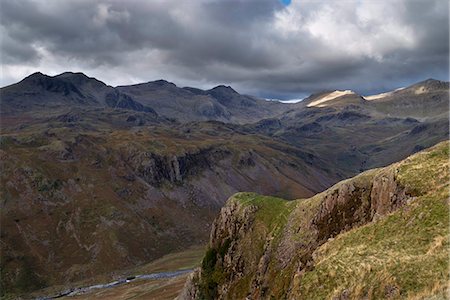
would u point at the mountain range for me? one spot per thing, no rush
(97, 179)
(222, 103)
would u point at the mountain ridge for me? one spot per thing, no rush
(40, 92)
(220, 103)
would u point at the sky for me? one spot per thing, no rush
(282, 49)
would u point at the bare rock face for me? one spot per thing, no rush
(357, 203)
(234, 220)
(342, 209)
(234, 223)
(190, 289)
(156, 169)
(386, 195)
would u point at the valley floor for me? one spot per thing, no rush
(167, 288)
(161, 288)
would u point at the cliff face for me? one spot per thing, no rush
(381, 234)
(156, 169)
(353, 204)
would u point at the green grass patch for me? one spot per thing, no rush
(272, 211)
(425, 171)
(404, 253)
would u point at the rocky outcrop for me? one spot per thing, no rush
(232, 225)
(253, 254)
(156, 169)
(233, 221)
(190, 289)
(356, 203)
(387, 195)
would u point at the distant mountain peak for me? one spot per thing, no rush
(430, 81)
(35, 75)
(152, 85)
(434, 82)
(80, 79)
(428, 85)
(72, 77)
(76, 77)
(326, 97)
(223, 93)
(71, 74)
(224, 88)
(162, 82)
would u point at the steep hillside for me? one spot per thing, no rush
(382, 234)
(81, 196)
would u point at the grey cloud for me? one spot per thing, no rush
(236, 42)
(13, 51)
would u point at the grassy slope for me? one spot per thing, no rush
(402, 255)
(405, 254)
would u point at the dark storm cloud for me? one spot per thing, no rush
(260, 47)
